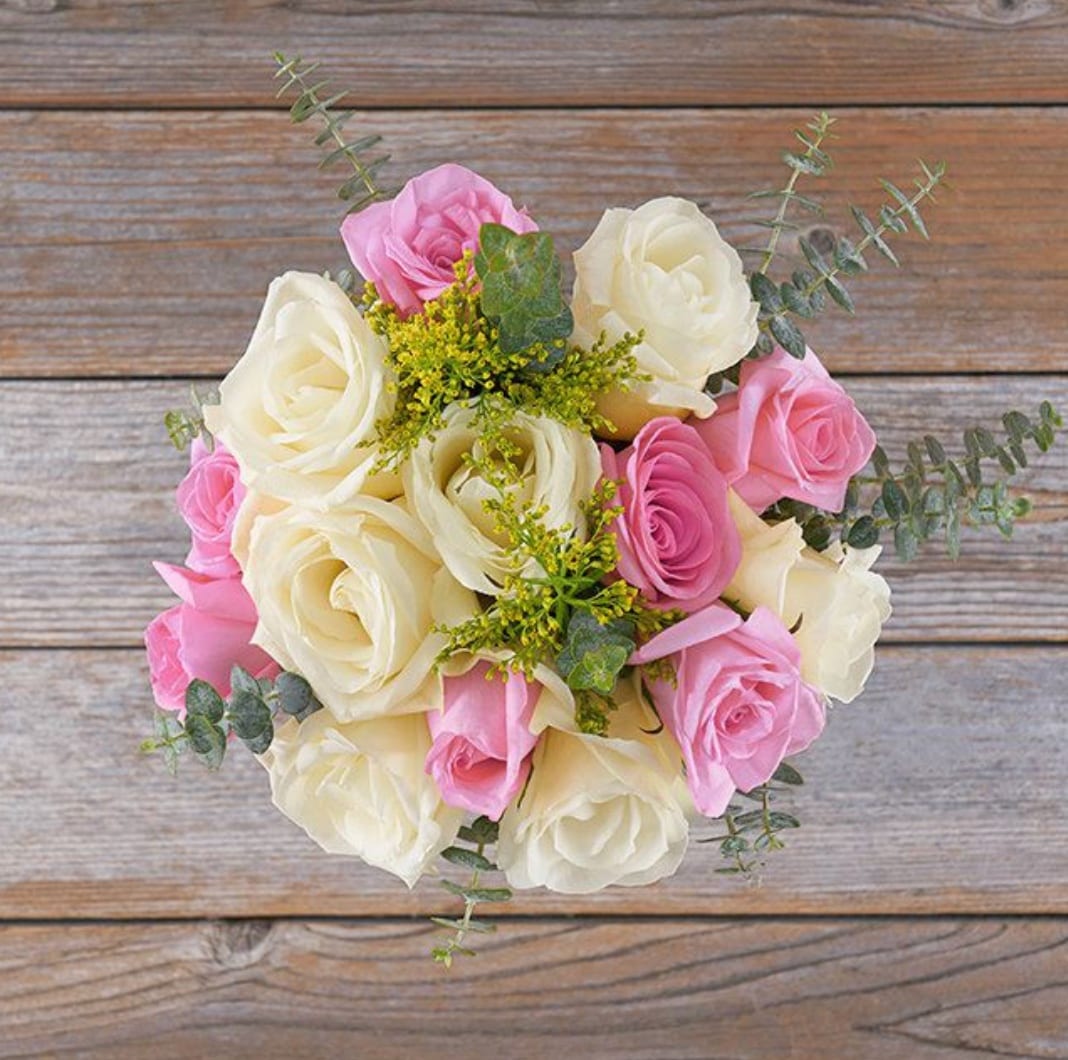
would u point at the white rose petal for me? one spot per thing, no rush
(598, 810)
(663, 269)
(840, 603)
(299, 409)
(559, 467)
(360, 788)
(349, 598)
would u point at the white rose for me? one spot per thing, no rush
(840, 603)
(598, 810)
(360, 788)
(300, 407)
(558, 468)
(663, 269)
(349, 599)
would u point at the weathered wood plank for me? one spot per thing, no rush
(521, 52)
(940, 791)
(882, 990)
(87, 481)
(141, 243)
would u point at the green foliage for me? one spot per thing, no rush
(533, 620)
(362, 188)
(812, 161)
(804, 294)
(521, 293)
(752, 834)
(452, 353)
(594, 652)
(209, 719)
(185, 425)
(481, 833)
(935, 495)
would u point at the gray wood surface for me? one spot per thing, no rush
(940, 790)
(664, 988)
(87, 482)
(141, 243)
(522, 52)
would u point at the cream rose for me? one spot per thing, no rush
(300, 407)
(835, 600)
(349, 599)
(558, 468)
(359, 788)
(598, 810)
(663, 269)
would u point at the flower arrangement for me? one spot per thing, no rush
(526, 583)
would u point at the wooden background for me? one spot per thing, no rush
(150, 188)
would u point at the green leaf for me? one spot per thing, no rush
(201, 700)
(778, 820)
(839, 294)
(906, 543)
(242, 681)
(206, 739)
(786, 774)
(813, 166)
(788, 336)
(481, 831)
(848, 259)
(593, 654)
(251, 720)
(295, 695)
(814, 257)
(765, 292)
(468, 858)
(935, 449)
(906, 205)
(863, 533)
(488, 894)
(894, 500)
(521, 294)
(795, 301)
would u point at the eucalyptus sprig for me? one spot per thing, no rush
(362, 188)
(480, 834)
(248, 713)
(814, 161)
(934, 495)
(184, 426)
(752, 834)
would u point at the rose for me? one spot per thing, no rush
(788, 431)
(408, 247)
(358, 788)
(598, 810)
(557, 469)
(483, 738)
(202, 637)
(663, 270)
(208, 499)
(738, 704)
(837, 604)
(677, 542)
(349, 599)
(299, 410)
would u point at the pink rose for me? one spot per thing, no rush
(408, 247)
(208, 499)
(788, 431)
(482, 743)
(738, 706)
(677, 541)
(203, 636)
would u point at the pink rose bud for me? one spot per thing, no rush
(203, 636)
(738, 706)
(788, 431)
(677, 541)
(208, 499)
(408, 247)
(482, 743)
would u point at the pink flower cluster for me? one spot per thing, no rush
(739, 705)
(211, 628)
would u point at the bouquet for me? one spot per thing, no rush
(524, 583)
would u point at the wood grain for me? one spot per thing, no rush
(142, 243)
(941, 790)
(877, 990)
(524, 52)
(87, 482)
